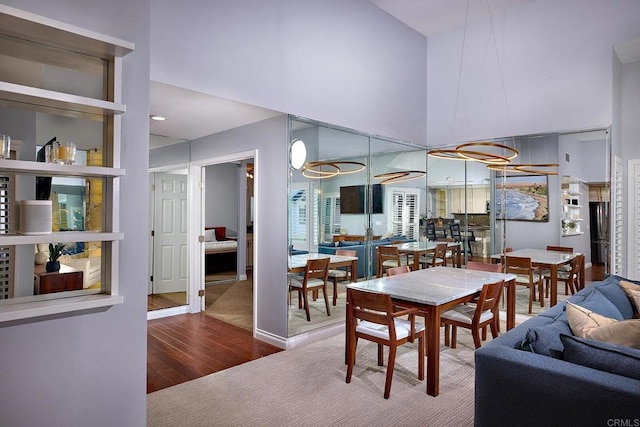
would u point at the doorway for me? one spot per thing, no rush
(168, 255)
(227, 216)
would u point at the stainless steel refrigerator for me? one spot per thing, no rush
(599, 225)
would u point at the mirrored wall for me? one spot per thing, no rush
(354, 192)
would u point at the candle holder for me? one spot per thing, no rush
(5, 142)
(66, 153)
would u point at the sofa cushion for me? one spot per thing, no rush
(633, 292)
(602, 356)
(545, 339)
(610, 288)
(350, 243)
(585, 323)
(600, 304)
(327, 245)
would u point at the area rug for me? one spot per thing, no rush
(232, 303)
(306, 387)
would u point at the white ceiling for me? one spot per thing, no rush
(193, 115)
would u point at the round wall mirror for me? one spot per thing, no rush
(298, 154)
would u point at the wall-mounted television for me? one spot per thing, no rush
(352, 199)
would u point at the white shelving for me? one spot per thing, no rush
(571, 206)
(40, 40)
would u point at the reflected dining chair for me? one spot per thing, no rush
(438, 257)
(315, 278)
(483, 314)
(340, 274)
(564, 268)
(571, 278)
(387, 257)
(526, 275)
(464, 239)
(398, 270)
(431, 231)
(371, 316)
(483, 266)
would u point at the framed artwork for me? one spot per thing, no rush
(526, 198)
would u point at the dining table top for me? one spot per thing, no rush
(432, 286)
(300, 260)
(424, 245)
(540, 256)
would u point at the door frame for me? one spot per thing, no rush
(196, 225)
(183, 309)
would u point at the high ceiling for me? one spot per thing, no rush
(192, 115)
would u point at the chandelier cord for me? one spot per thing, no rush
(495, 46)
(464, 38)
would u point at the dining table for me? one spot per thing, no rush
(433, 291)
(416, 249)
(546, 259)
(297, 263)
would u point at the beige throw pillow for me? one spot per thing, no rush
(633, 292)
(585, 323)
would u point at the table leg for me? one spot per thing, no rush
(553, 297)
(347, 337)
(511, 304)
(582, 274)
(416, 261)
(433, 352)
(354, 271)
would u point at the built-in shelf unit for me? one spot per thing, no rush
(571, 206)
(33, 39)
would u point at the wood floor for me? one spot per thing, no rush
(188, 346)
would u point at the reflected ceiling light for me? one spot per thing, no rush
(530, 168)
(400, 176)
(157, 118)
(486, 156)
(297, 154)
(462, 152)
(315, 170)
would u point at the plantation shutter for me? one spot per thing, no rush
(404, 218)
(616, 253)
(633, 271)
(6, 223)
(298, 212)
(315, 232)
(330, 217)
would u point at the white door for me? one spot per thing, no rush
(170, 234)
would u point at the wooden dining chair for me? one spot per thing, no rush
(526, 275)
(431, 232)
(342, 273)
(438, 257)
(371, 316)
(571, 278)
(387, 257)
(564, 268)
(483, 266)
(315, 278)
(398, 270)
(483, 314)
(465, 238)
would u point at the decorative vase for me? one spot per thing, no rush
(52, 266)
(41, 258)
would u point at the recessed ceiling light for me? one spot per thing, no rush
(157, 118)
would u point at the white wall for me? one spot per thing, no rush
(89, 368)
(556, 63)
(344, 62)
(222, 193)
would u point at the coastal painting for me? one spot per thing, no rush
(526, 198)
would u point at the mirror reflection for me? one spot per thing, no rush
(349, 215)
(353, 194)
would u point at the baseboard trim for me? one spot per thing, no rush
(166, 312)
(302, 339)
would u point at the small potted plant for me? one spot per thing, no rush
(54, 253)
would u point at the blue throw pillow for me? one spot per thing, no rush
(600, 304)
(602, 356)
(610, 288)
(545, 339)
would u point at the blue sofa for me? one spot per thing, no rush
(522, 379)
(362, 250)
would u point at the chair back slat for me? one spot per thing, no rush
(489, 297)
(317, 269)
(375, 307)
